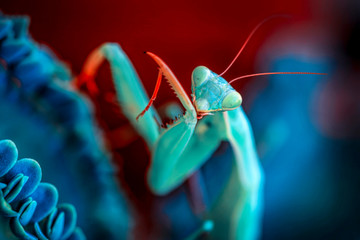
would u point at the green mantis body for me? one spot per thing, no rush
(181, 149)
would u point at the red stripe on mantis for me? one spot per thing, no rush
(175, 84)
(91, 66)
(153, 97)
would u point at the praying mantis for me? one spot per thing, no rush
(212, 115)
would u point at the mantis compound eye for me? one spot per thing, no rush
(200, 75)
(232, 100)
(202, 104)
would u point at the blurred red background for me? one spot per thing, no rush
(184, 33)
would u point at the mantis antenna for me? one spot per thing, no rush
(153, 97)
(261, 74)
(247, 40)
(274, 73)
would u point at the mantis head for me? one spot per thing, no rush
(212, 93)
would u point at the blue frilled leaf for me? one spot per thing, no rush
(27, 210)
(3, 79)
(55, 225)
(77, 235)
(69, 110)
(46, 196)
(19, 230)
(13, 50)
(29, 168)
(5, 208)
(58, 69)
(39, 232)
(33, 71)
(14, 187)
(70, 219)
(5, 26)
(8, 156)
(20, 26)
(60, 224)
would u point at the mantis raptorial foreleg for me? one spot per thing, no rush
(200, 147)
(166, 155)
(167, 147)
(130, 92)
(173, 141)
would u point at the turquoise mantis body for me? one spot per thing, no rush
(181, 149)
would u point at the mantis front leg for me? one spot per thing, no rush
(130, 92)
(167, 152)
(167, 147)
